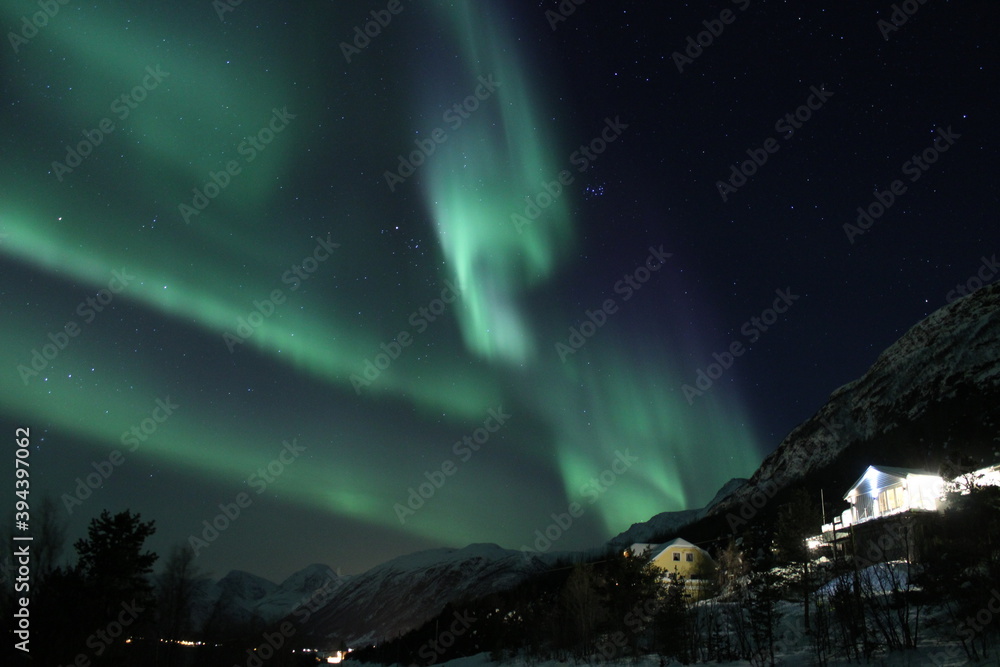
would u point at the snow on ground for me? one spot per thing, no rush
(880, 578)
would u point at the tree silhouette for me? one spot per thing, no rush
(797, 519)
(178, 587)
(50, 538)
(111, 560)
(582, 607)
(69, 604)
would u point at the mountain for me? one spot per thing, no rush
(240, 585)
(670, 523)
(241, 599)
(403, 593)
(309, 583)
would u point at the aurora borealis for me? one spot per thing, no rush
(195, 212)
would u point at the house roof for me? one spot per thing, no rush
(879, 477)
(679, 542)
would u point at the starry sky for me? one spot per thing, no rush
(430, 284)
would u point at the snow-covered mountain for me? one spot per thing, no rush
(242, 599)
(403, 593)
(669, 523)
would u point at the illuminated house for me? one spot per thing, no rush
(902, 496)
(885, 490)
(680, 557)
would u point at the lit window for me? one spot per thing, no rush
(890, 499)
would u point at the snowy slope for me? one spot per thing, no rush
(297, 589)
(401, 594)
(242, 598)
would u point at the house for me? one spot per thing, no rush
(888, 506)
(888, 490)
(680, 557)
(881, 522)
(885, 490)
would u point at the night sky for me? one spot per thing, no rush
(483, 251)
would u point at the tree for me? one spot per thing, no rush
(583, 606)
(763, 614)
(632, 587)
(112, 561)
(62, 618)
(50, 538)
(796, 521)
(732, 568)
(177, 589)
(674, 620)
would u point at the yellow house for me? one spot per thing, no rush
(679, 556)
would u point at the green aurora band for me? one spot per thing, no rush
(497, 157)
(206, 275)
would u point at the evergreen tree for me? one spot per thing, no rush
(674, 620)
(631, 584)
(112, 561)
(116, 572)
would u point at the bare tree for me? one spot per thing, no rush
(49, 537)
(177, 589)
